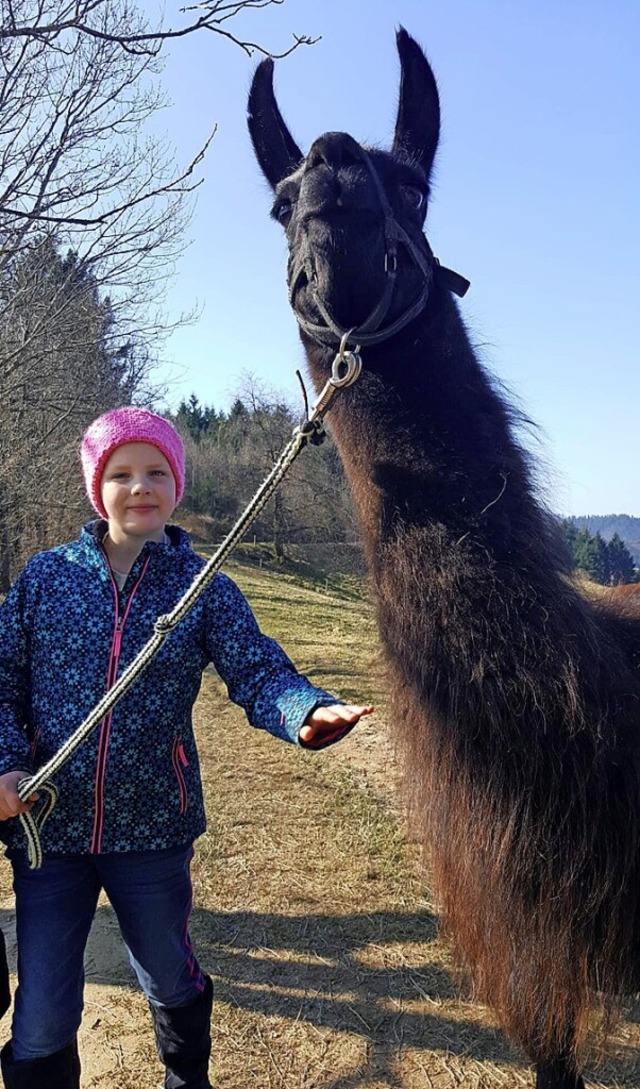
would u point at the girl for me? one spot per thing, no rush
(130, 799)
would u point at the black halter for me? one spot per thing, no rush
(372, 330)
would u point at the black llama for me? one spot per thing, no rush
(516, 701)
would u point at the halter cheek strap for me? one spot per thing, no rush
(372, 331)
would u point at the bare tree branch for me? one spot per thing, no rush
(176, 185)
(76, 17)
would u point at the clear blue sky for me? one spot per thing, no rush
(536, 201)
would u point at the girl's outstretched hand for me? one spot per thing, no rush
(326, 724)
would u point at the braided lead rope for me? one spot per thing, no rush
(33, 821)
(345, 370)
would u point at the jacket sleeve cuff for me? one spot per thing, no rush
(296, 706)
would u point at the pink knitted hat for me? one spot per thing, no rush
(128, 424)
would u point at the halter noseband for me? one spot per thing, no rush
(372, 331)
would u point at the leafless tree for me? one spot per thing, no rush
(311, 506)
(75, 158)
(51, 22)
(93, 213)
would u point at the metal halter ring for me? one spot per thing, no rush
(340, 376)
(347, 365)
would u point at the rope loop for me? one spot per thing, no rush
(34, 819)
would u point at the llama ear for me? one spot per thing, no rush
(276, 150)
(418, 123)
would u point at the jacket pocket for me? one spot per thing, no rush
(180, 762)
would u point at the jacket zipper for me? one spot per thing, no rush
(105, 725)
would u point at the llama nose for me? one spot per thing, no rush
(334, 149)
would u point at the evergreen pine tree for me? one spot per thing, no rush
(621, 567)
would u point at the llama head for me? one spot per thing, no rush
(354, 216)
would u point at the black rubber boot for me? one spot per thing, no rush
(558, 1074)
(58, 1071)
(183, 1039)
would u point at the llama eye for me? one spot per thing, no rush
(282, 211)
(413, 196)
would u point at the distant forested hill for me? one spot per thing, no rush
(627, 527)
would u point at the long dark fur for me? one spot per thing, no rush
(516, 702)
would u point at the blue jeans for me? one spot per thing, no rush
(151, 894)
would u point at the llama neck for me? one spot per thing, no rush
(428, 444)
(474, 606)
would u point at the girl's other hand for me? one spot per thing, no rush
(10, 804)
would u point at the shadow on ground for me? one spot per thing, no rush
(367, 975)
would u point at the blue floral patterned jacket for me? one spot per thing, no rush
(66, 633)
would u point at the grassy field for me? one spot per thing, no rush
(310, 911)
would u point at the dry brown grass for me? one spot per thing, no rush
(310, 913)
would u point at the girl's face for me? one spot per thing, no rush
(138, 491)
